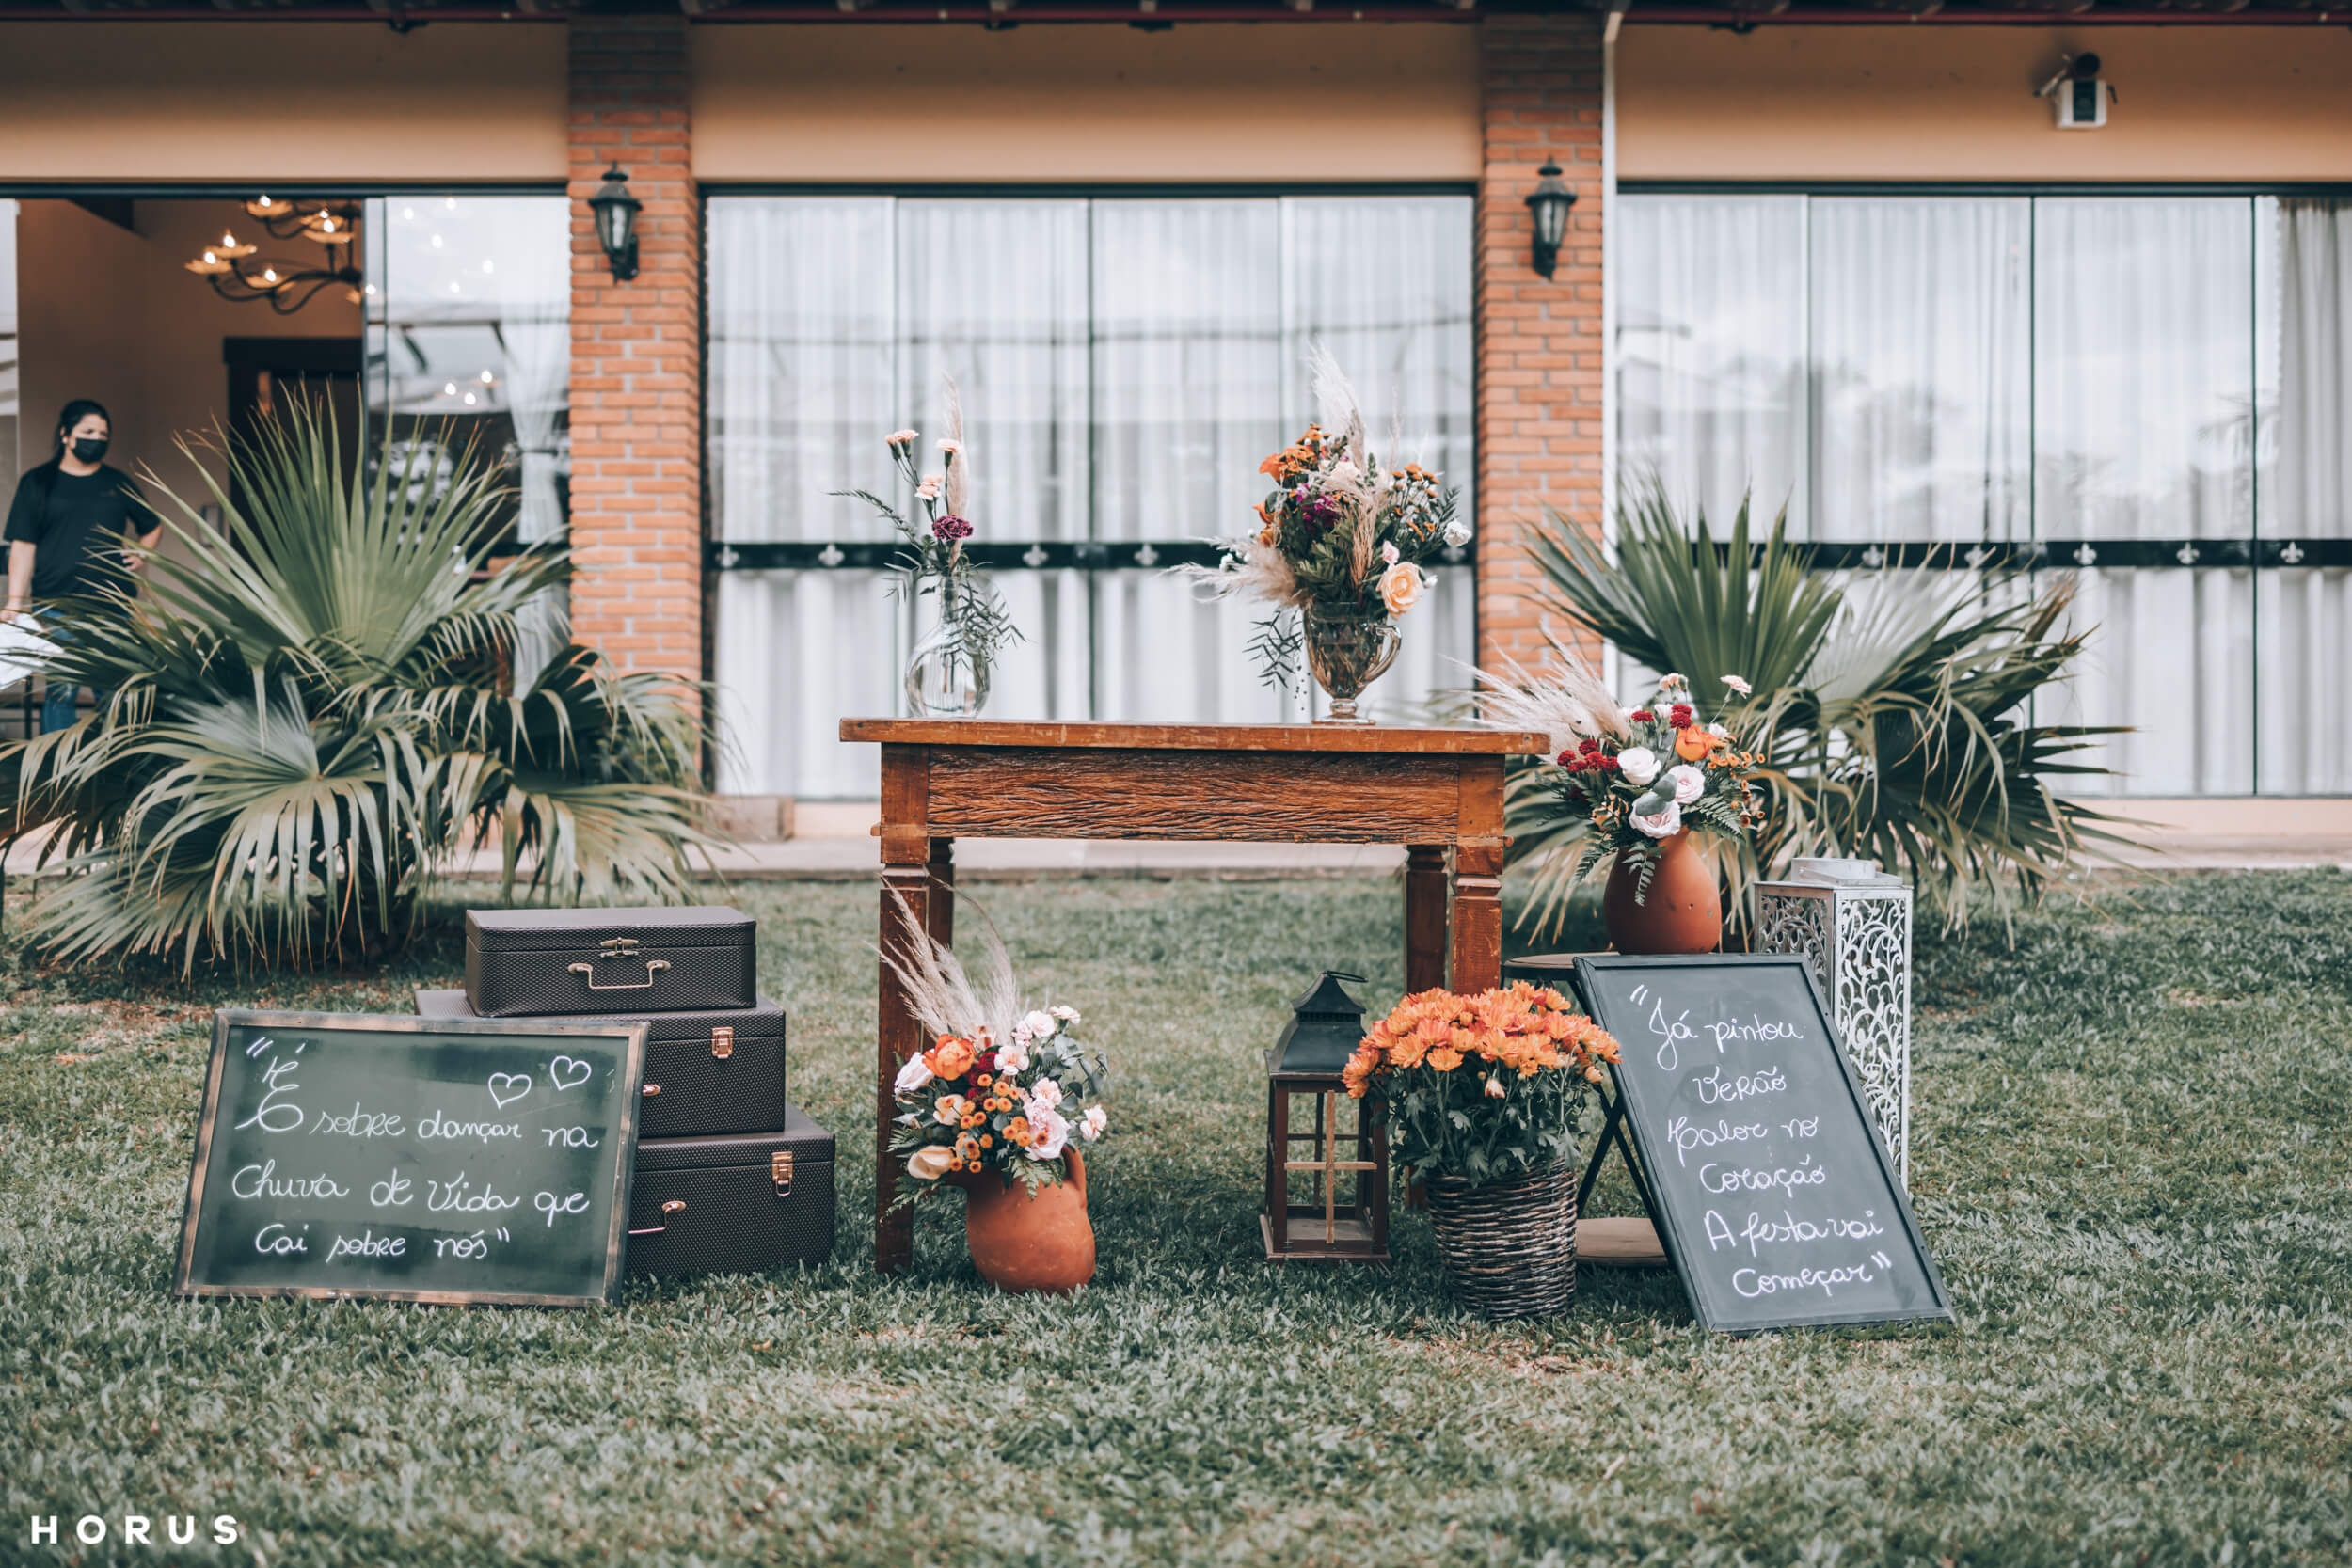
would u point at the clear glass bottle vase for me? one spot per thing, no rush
(944, 678)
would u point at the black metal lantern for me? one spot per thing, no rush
(616, 213)
(1326, 1025)
(1550, 202)
(1344, 1142)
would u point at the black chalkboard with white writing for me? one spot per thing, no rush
(413, 1160)
(1769, 1184)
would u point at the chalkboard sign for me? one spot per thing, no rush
(437, 1160)
(1769, 1184)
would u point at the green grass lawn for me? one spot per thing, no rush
(2131, 1161)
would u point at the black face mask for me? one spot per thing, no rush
(90, 449)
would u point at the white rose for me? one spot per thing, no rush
(951, 1109)
(1665, 824)
(1046, 1093)
(929, 1163)
(913, 1074)
(1688, 782)
(1049, 1134)
(1036, 1025)
(1457, 533)
(1014, 1058)
(1092, 1123)
(1639, 765)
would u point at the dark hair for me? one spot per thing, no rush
(76, 412)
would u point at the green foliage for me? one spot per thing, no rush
(308, 715)
(1892, 708)
(2128, 1157)
(1443, 1124)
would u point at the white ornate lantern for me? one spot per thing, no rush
(1854, 922)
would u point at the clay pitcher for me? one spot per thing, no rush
(1021, 1243)
(1682, 912)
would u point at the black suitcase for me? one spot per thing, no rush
(535, 963)
(721, 1070)
(735, 1205)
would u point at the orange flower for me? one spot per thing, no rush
(1017, 1130)
(1692, 743)
(1445, 1058)
(950, 1058)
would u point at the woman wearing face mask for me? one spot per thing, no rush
(70, 530)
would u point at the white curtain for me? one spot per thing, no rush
(2304, 627)
(2143, 411)
(1125, 365)
(1712, 342)
(1921, 349)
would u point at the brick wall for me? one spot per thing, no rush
(636, 525)
(1539, 340)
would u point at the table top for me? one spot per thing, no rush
(1386, 738)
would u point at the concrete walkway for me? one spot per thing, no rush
(837, 856)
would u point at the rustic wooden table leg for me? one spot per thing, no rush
(1477, 958)
(941, 922)
(908, 856)
(1424, 917)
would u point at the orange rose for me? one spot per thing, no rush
(1692, 743)
(950, 1058)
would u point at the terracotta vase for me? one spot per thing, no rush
(1021, 1243)
(1681, 913)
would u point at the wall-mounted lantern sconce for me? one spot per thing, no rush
(1550, 201)
(616, 222)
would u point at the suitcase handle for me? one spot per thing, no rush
(653, 967)
(669, 1211)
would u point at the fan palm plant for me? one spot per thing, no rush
(309, 712)
(1894, 707)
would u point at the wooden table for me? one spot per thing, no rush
(1437, 792)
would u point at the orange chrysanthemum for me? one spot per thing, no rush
(1519, 1027)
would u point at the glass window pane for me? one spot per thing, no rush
(994, 295)
(1187, 365)
(800, 368)
(1711, 351)
(1921, 354)
(2304, 680)
(2143, 410)
(1384, 285)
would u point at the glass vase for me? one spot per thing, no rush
(944, 678)
(1348, 647)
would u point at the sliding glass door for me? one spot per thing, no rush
(1124, 364)
(468, 348)
(2153, 391)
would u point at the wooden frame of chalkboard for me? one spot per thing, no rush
(621, 1125)
(1636, 1100)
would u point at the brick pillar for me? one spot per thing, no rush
(1539, 340)
(637, 377)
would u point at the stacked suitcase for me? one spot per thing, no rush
(717, 1133)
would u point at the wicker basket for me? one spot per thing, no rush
(1509, 1247)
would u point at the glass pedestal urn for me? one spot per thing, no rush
(1348, 647)
(945, 680)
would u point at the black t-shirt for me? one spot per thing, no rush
(76, 524)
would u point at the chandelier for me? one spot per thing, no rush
(239, 272)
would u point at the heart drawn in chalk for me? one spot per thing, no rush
(580, 1072)
(507, 1088)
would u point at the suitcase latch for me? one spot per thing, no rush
(722, 1041)
(616, 947)
(780, 1170)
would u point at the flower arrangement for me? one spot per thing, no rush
(933, 555)
(1633, 777)
(1003, 1089)
(1485, 1087)
(1337, 530)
